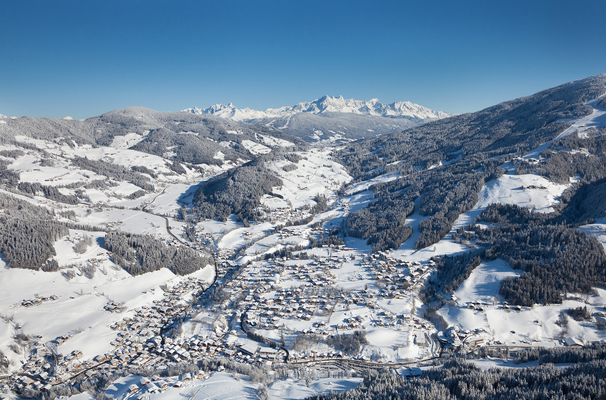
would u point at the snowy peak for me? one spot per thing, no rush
(326, 104)
(228, 112)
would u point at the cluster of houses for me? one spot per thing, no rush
(455, 338)
(300, 295)
(135, 344)
(280, 215)
(264, 312)
(148, 320)
(397, 277)
(533, 187)
(45, 368)
(38, 300)
(156, 384)
(308, 297)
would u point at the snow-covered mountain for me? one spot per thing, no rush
(331, 119)
(326, 104)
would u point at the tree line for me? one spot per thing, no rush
(458, 379)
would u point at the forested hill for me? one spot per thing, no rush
(446, 162)
(178, 136)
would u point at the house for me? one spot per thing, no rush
(249, 348)
(152, 388)
(268, 352)
(571, 341)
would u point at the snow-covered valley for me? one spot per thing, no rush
(292, 304)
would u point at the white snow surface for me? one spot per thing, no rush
(597, 229)
(226, 386)
(316, 173)
(255, 148)
(483, 283)
(596, 120)
(126, 141)
(81, 299)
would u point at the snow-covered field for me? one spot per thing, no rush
(316, 173)
(479, 306)
(529, 191)
(483, 283)
(536, 325)
(365, 185)
(597, 229)
(225, 386)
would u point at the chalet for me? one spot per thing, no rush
(268, 352)
(249, 349)
(573, 342)
(100, 358)
(152, 388)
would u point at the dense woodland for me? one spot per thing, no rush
(461, 380)
(139, 254)
(237, 191)
(348, 344)
(184, 137)
(27, 233)
(556, 258)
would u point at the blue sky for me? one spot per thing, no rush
(84, 58)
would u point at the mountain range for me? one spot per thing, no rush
(331, 119)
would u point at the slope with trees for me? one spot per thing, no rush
(446, 162)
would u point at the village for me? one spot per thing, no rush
(265, 297)
(277, 282)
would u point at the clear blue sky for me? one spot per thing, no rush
(86, 57)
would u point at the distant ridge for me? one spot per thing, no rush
(326, 104)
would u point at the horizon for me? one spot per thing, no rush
(85, 59)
